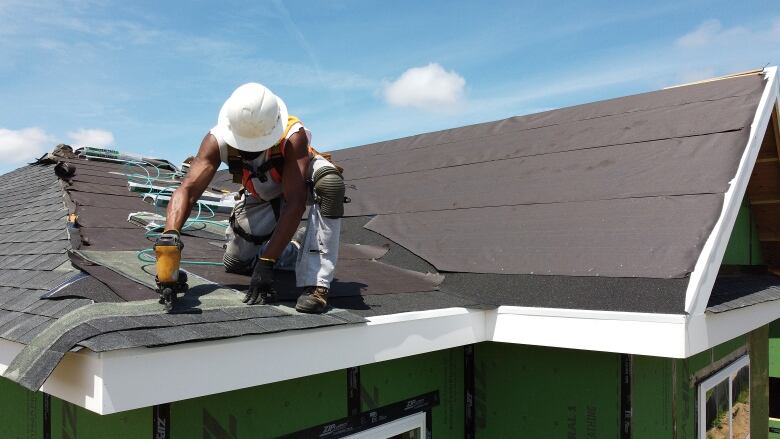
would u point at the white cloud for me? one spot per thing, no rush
(705, 34)
(91, 137)
(429, 87)
(23, 145)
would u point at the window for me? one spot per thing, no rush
(410, 427)
(724, 403)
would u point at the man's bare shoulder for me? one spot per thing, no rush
(209, 149)
(297, 145)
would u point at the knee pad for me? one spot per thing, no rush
(236, 265)
(329, 190)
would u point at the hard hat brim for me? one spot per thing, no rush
(252, 144)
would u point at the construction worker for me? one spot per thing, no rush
(270, 153)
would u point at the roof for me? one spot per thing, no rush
(33, 245)
(600, 226)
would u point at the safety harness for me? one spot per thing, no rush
(273, 166)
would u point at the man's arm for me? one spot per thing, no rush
(296, 162)
(202, 170)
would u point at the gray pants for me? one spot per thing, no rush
(313, 259)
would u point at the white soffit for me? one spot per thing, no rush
(708, 264)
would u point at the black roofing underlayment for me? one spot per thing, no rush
(629, 187)
(602, 206)
(734, 291)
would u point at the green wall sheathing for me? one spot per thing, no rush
(21, 412)
(392, 381)
(774, 428)
(263, 411)
(533, 392)
(689, 372)
(664, 390)
(651, 397)
(774, 370)
(69, 421)
(744, 247)
(774, 349)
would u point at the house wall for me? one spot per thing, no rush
(516, 391)
(259, 412)
(21, 411)
(665, 391)
(532, 392)
(743, 248)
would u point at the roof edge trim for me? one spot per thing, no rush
(711, 329)
(661, 335)
(131, 378)
(703, 276)
(116, 381)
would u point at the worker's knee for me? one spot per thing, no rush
(329, 189)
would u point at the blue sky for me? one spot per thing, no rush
(150, 76)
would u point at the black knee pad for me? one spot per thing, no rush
(329, 189)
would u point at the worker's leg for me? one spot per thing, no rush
(320, 248)
(252, 222)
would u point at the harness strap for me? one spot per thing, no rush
(273, 166)
(276, 205)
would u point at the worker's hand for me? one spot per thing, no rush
(261, 287)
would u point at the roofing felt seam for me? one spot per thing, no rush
(710, 92)
(407, 166)
(506, 146)
(613, 170)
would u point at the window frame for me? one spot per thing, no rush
(711, 383)
(390, 429)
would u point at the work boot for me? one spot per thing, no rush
(313, 300)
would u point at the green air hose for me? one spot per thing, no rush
(147, 255)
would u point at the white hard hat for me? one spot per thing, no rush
(252, 119)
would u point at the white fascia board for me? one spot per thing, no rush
(142, 377)
(660, 335)
(77, 378)
(711, 329)
(708, 264)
